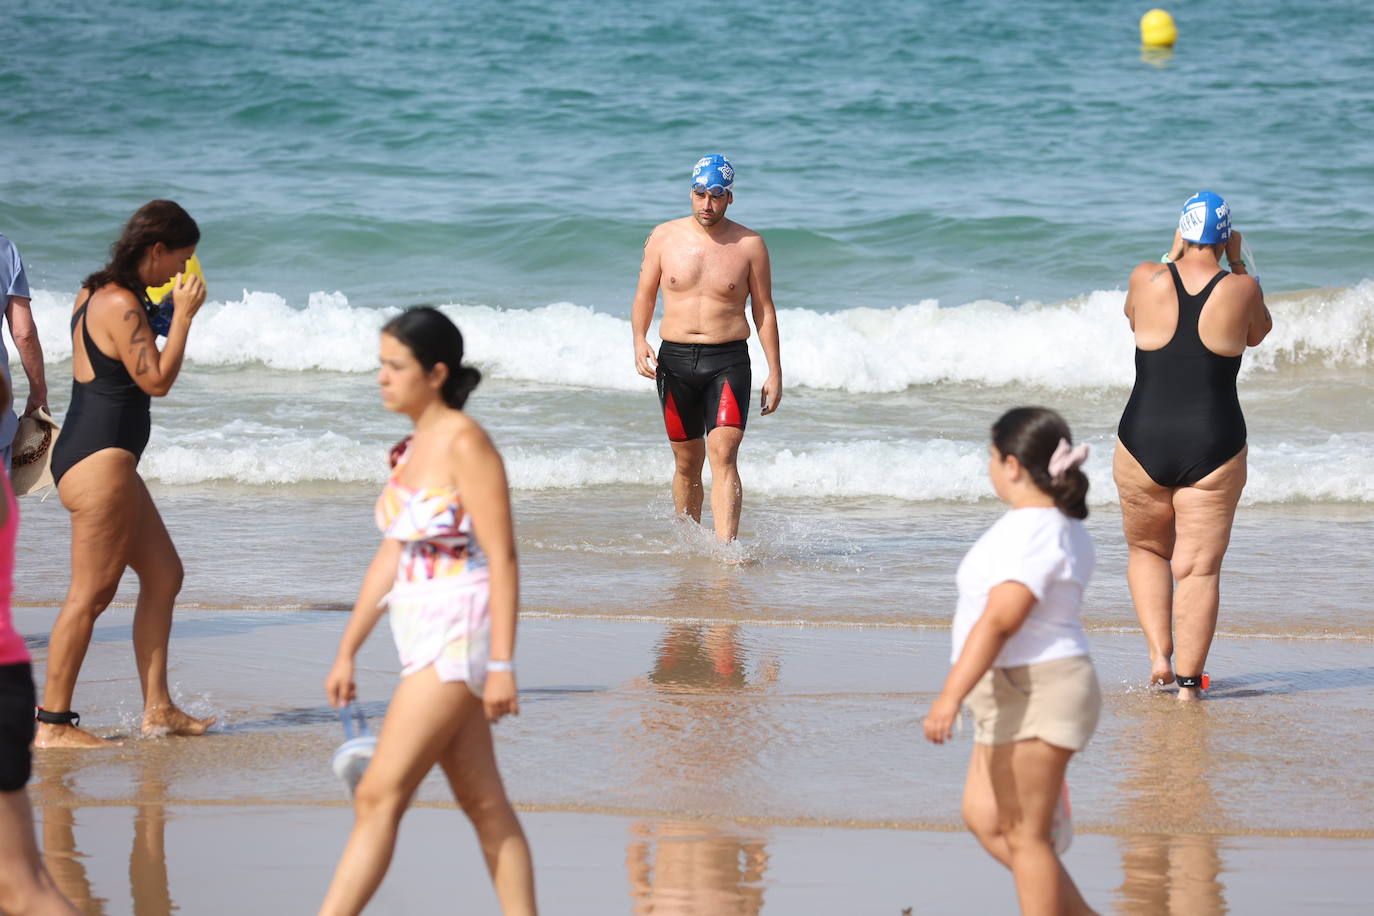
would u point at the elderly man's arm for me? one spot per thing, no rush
(25, 334)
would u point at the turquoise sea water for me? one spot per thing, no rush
(953, 198)
(516, 154)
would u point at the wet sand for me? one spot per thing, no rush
(760, 765)
(152, 860)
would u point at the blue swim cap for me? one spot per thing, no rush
(713, 171)
(1205, 219)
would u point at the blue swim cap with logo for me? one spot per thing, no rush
(1205, 219)
(711, 172)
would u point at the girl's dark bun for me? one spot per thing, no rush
(1032, 434)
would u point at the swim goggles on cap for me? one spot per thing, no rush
(717, 191)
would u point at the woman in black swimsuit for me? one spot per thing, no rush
(116, 369)
(1180, 454)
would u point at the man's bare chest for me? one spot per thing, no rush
(711, 270)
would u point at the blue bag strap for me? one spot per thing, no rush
(354, 722)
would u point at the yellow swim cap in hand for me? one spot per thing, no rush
(157, 293)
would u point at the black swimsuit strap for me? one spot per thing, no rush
(1190, 305)
(1212, 284)
(1202, 294)
(101, 363)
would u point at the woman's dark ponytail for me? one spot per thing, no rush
(434, 339)
(1032, 434)
(459, 385)
(156, 221)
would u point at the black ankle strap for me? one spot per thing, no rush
(1189, 681)
(56, 718)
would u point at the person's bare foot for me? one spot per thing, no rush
(1161, 671)
(1189, 694)
(163, 721)
(50, 735)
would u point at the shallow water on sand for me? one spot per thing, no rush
(799, 725)
(1294, 571)
(154, 859)
(734, 757)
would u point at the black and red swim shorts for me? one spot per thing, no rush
(702, 386)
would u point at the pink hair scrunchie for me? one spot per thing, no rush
(1066, 458)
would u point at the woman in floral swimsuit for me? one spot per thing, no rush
(446, 570)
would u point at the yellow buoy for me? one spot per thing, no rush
(157, 293)
(1157, 29)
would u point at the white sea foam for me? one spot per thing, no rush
(327, 457)
(1336, 469)
(1325, 327)
(1077, 344)
(327, 334)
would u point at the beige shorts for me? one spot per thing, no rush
(1056, 701)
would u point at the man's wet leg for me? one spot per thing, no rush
(727, 495)
(689, 458)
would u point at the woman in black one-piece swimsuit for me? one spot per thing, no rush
(1180, 461)
(116, 369)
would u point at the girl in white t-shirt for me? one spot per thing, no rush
(1021, 657)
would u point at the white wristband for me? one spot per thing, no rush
(506, 665)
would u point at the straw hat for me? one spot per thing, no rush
(30, 464)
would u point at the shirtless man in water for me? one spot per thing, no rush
(707, 266)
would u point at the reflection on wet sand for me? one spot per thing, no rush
(701, 655)
(677, 868)
(58, 806)
(705, 723)
(703, 733)
(59, 846)
(148, 864)
(705, 657)
(1171, 870)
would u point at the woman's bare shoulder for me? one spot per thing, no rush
(467, 436)
(1234, 295)
(1149, 272)
(111, 300)
(1239, 285)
